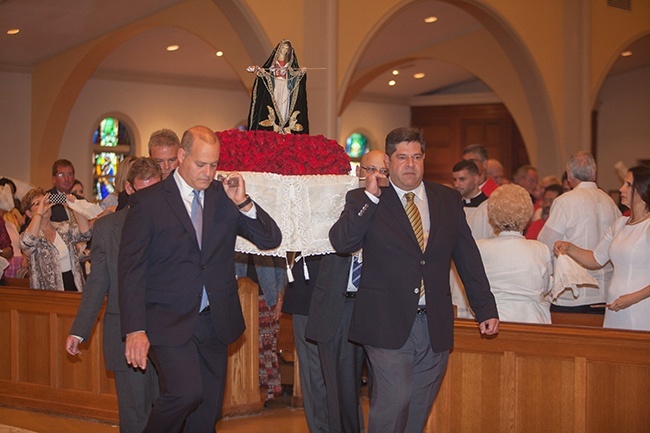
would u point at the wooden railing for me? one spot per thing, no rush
(545, 378)
(37, 373)
(528, 379)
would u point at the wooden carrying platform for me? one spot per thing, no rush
(37, 373)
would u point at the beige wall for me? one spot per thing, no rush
(15, 110)
(147, 108)
(624, 126)
(373, 119)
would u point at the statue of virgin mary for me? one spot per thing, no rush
(279, 99)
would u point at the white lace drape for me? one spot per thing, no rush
(304, 207)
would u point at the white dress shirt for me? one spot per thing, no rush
(581, 216)
(422, 203)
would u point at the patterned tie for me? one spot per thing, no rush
(356, 272)
(196, 215)
(413, 215)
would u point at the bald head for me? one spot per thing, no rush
(375, 159)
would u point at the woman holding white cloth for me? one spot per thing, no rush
(627, 245)
(519, 270)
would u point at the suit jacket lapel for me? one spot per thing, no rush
(210, 199)
(435, 206)
(173, 197)
(396, 207)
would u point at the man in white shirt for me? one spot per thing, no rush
(581, 216)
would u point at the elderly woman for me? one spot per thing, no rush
(627, 245)
(519, 270)
(50, 246)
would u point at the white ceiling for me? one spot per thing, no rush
(49, 27)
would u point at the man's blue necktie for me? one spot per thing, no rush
(196, 215)
(356, 271)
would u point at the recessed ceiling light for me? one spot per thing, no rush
(430, 19)
(172, 47)
(626, 53)
(395, 72)
(418, 75)
(219, 53)
(13, 31)
(392, 82)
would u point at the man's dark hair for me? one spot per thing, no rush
(145, 169)
(61, 163)
(403, 135)
(477, 149)
(468, 165)
(555, 187)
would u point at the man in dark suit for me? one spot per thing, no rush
(178, 292)
(63, 180)
(136, 389)
(330, 312)
(297, 298)
(403, 315)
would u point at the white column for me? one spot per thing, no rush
(321, 39)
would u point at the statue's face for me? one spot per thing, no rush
(283, 51)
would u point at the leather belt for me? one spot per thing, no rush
(351, 295)
(422, 310)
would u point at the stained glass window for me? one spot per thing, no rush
(356, 145)
(111, 143)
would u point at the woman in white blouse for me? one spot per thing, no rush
(50, 246)
(519, 270)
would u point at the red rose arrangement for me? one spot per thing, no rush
(286, 154)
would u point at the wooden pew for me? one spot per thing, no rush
(17, 282)
(595, 320)
(545, 378)
(37, 373)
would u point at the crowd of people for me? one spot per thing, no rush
(410, 255)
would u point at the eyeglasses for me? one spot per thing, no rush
(371, 170)
(68, 175)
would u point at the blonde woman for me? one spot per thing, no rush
(519, 270)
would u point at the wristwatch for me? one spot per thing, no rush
(245, 203)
